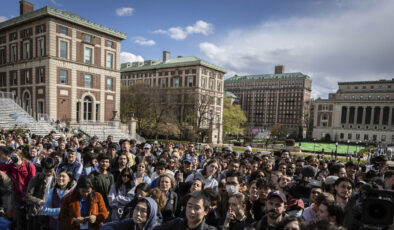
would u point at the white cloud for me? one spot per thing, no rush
(144, 42)
(179, 33)
(3, 18)
(347, 44)
(54, 2)
(130, 57)
(125, 11)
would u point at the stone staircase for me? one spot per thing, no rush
(9, 107)
(103, 129)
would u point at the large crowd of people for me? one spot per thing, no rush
(74, 183)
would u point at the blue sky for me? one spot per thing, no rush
(330, 40)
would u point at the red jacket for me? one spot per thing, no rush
(20, 176)
(71, 209)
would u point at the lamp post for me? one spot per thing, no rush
(347, 151)
(314, 143)
(336, 150)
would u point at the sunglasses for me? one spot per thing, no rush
(126, 175)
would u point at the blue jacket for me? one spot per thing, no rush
(129, 223)
(75, 168)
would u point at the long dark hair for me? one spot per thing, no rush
(119, 182)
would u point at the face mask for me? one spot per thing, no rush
(231, 189)
(158, 153)
(296, 213)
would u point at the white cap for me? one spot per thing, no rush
(248, 148)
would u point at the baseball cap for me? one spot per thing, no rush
(188, 159)
(147, 146)
(295, 204)
(95, 137)
(278, 194)
(228, 148)
(248, 148)
(308, 171)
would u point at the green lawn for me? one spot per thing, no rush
(328, 147)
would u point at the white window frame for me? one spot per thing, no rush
(67, 48)
(84, 54)
(107, 59)
(14, 53)
(26, 50)
(41, 47)
(91, 81)
(112, 84)
(60, 76)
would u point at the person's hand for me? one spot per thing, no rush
(42, 202)
(92, 219)
(79, 220)
(229, 217)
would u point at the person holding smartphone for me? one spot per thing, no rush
(83, 208)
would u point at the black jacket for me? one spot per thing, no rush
(171, 207)
(181, 224)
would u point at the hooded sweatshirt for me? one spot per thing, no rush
(129, 223)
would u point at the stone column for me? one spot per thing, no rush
(372, 114)
(363, 118)
(381, 116)
(347, 115)
(390, 116)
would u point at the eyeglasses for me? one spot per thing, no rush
(126, 175)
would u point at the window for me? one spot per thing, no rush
(88, 38)
(26, 48)
(176, 83)
(349, 136)
(110, 60)
(2, 79)
(88, 55)
(211, 83)
(163, 82)
(357, 136)
(27, 77)
(219, 101)
(63, 30)
(2, 55)
(366, 137)
(14, 80)
(40, 107)
(41, 48)
(219, 86)
(41, 28)
(63, 77)
(190, 81)
(41, 76)
(372, 87)
(88, 81)
(203, 84)
(110, 44)
(13, 53)
(109, 84)
(63, 49)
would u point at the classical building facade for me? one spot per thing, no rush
(269, 99)
(60, 64)
(185, 76)
(360, 111)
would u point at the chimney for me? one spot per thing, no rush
(25, 7)
(166, 56)
(279, 69)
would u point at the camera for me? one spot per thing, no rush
(370, 208)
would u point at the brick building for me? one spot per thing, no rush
(361, 111)
(269, 99)
(60, 64)
(187, 77)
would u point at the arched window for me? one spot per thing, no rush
(87, 108)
